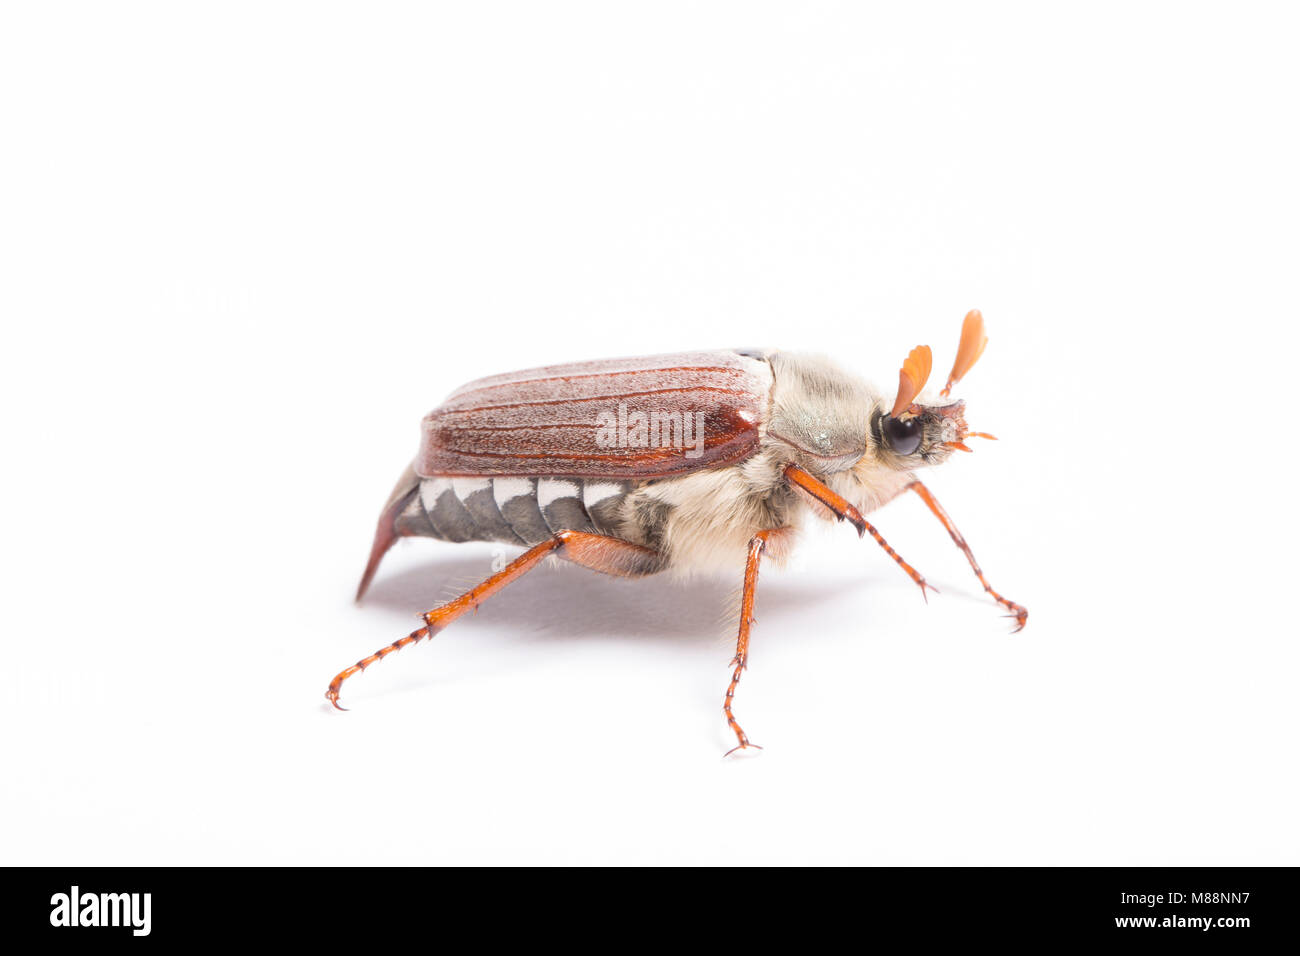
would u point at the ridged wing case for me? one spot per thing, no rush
(555, 421)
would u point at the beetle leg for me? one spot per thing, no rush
(1019, 613)
(841, 508)
(598, 552)
(757, 545)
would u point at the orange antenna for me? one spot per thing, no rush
(912, 377)
(969, 349)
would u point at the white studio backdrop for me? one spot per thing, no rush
(247, 246)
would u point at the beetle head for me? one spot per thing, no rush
(916, 433)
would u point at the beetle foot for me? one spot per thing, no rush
(332, 695)
(336, 686)
(1020, 614)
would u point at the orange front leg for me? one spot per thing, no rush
(841, 508)
(1019, 613)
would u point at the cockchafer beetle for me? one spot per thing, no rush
(671, 463)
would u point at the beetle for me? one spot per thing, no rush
(680, 462)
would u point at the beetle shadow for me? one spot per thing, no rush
(559, 598)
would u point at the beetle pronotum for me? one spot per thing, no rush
(671, 462)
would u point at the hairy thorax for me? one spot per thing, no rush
(705, 521)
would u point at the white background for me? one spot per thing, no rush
(245, 247)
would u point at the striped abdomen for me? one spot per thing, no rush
(522, 511)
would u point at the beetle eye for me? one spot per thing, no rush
(903, 434)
